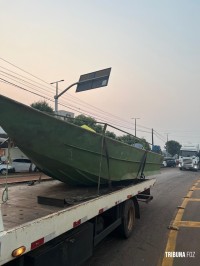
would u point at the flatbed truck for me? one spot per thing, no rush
(52, 223)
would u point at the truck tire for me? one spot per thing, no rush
(128, 218)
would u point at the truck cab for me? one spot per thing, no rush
(189, 157)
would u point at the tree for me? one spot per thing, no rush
(144, 143)
(131, 140)
(110, 134)
(128, 139)
(172, 147)
(42, 106)
(89, 121)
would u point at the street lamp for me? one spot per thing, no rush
(135, 123)
(87, 81)
(56, 98)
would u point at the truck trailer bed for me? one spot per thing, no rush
(23, 203)
(31, 224)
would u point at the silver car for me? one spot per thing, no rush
(4, 168)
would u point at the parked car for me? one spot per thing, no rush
(4, 168)
(169, 162)
(23, 165)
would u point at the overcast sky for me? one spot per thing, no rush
(153, 48)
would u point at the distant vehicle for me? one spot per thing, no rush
(189, 157)
(169, 162)
(23, 165)
(4, 168)
(177, 161)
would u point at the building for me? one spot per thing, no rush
(15, 152)
(62, 114)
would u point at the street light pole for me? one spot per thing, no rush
(88, 81)
(56, 98)
(135, 123)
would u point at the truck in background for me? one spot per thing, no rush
(189, 157)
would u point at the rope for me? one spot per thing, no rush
(108, 163)
(142, 165)
(100, 163)
(5, 191)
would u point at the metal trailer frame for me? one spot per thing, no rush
(37, 232)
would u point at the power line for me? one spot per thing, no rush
(8, 82)
(99, 117)
(84, 103)
(159, 137)
(45, 90)
(40, 88)
(23, 70)
(21, 81)
(159, 134)
(12, 77)
(26, 78)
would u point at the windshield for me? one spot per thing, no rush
(188, 153)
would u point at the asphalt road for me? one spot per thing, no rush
(152, 238)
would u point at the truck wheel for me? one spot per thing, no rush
(128, 218)
(180, 168)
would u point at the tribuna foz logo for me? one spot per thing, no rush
(180, 254)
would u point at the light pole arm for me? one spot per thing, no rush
(60, 94)
(80, 82)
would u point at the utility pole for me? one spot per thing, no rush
(56, 98)
(152, 138)
(135, 123)
(167, 143)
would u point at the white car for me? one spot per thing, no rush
(4, 168)
(23, 165)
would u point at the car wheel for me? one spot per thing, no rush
(3, 171)
(36, 169)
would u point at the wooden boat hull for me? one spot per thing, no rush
(70, 153)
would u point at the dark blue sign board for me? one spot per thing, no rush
(93, 80)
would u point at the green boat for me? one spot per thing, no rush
(72, 154)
